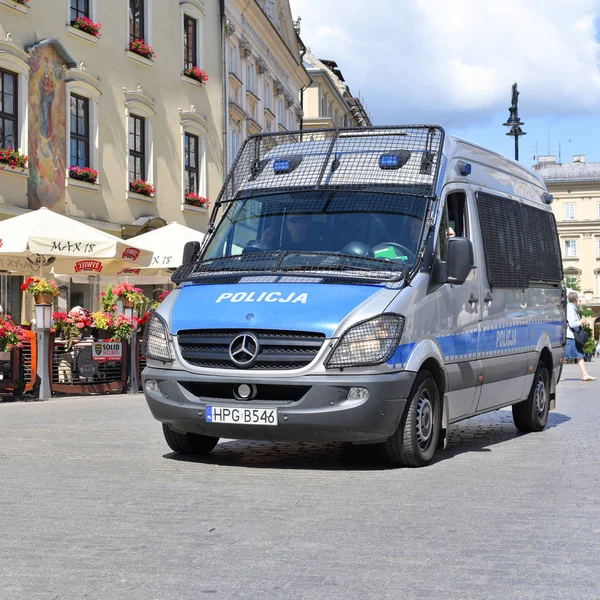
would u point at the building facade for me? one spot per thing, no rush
(328, 102)
(118, 103)
(262, 71)
(576, 190)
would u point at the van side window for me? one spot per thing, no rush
(457, 214)
(443, 235)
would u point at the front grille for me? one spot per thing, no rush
(280, 350)
(264, 392)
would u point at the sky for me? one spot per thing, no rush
(453, 63)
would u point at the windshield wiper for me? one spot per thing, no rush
(279, 261)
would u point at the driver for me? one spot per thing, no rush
(296, 236)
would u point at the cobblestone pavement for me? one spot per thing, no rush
(94, 505)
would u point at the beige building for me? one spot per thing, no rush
(263, 70)
(70, 98)
(328, 102)
(576, 190)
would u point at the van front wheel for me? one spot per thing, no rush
(189, 443)
(414, 442)
(532, 414)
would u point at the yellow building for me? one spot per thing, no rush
(576, 190)
(328, 102)
(263, 70)
(72, 98)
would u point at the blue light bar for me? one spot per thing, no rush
(283, 165)
(286, 165)
(389, 161)
(394, 160)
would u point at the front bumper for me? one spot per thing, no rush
(322, 414)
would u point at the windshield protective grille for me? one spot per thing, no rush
(360, 158)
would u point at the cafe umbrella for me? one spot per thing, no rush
(33, 242)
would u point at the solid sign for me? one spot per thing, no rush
(105, 351)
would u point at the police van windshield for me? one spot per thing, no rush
(372, 226)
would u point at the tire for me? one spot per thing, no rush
(189, 443)
(415, 441)
(532, 414)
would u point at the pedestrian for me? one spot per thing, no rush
(598, 348)
(573, 349)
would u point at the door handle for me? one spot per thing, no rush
(489, 297)
(472, 299)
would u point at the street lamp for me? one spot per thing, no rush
(43, 322)
(514, 122)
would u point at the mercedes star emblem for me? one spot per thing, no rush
(244, 349)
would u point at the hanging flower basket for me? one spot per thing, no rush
(140, 47)
(42, 290)
(87, 25)
(197, 74)
(13, 159)
(196, 200)
(83, 174)
(139, 186)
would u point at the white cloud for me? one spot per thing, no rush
(429, 60)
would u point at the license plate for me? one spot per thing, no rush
(241, 416)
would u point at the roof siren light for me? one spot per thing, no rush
(464, 168)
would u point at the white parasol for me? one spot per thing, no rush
(34, 240)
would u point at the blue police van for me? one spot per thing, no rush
(370, 286)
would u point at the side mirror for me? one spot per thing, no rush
(190, 252)
(460, 260)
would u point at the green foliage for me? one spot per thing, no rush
(572, 283)
(586, 311)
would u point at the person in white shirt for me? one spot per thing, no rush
(573, 350)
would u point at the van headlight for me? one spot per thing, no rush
(371, 342)
(155, 344)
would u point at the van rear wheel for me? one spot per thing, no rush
(532, 414)
(414, 442)
(189, 443)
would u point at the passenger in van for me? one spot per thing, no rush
(573, 350)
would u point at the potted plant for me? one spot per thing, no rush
(72, 326)
(13, 158)
(108, 300)
(194, 199)
(23, 2)
(131, 295)
(87, 25)
(197, 74)
(140, 47)
(11, 336)
(102, 323)
(83, 174)
(139, 186)
(122, 327)
(43, 290)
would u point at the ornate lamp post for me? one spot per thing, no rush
(514, 122)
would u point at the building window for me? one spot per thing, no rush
(235, 144)
(599, 210)
(323, 105)
(80, 131)
(250, 78)
(570, 247)
(79, 8)
(137, 148)
(569, 212)
(190, 42)
(137, 26)
(280, 111)
(267, 95)
(232, 60)
(9, 127)
(192, 164)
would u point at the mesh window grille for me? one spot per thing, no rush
(520, 242)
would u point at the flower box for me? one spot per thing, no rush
(83, 174)
(139, 186)
(87, 25)
(197, 74)
(192, 199)
(140, 47)
(13, 159)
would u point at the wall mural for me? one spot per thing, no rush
(47, 130)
